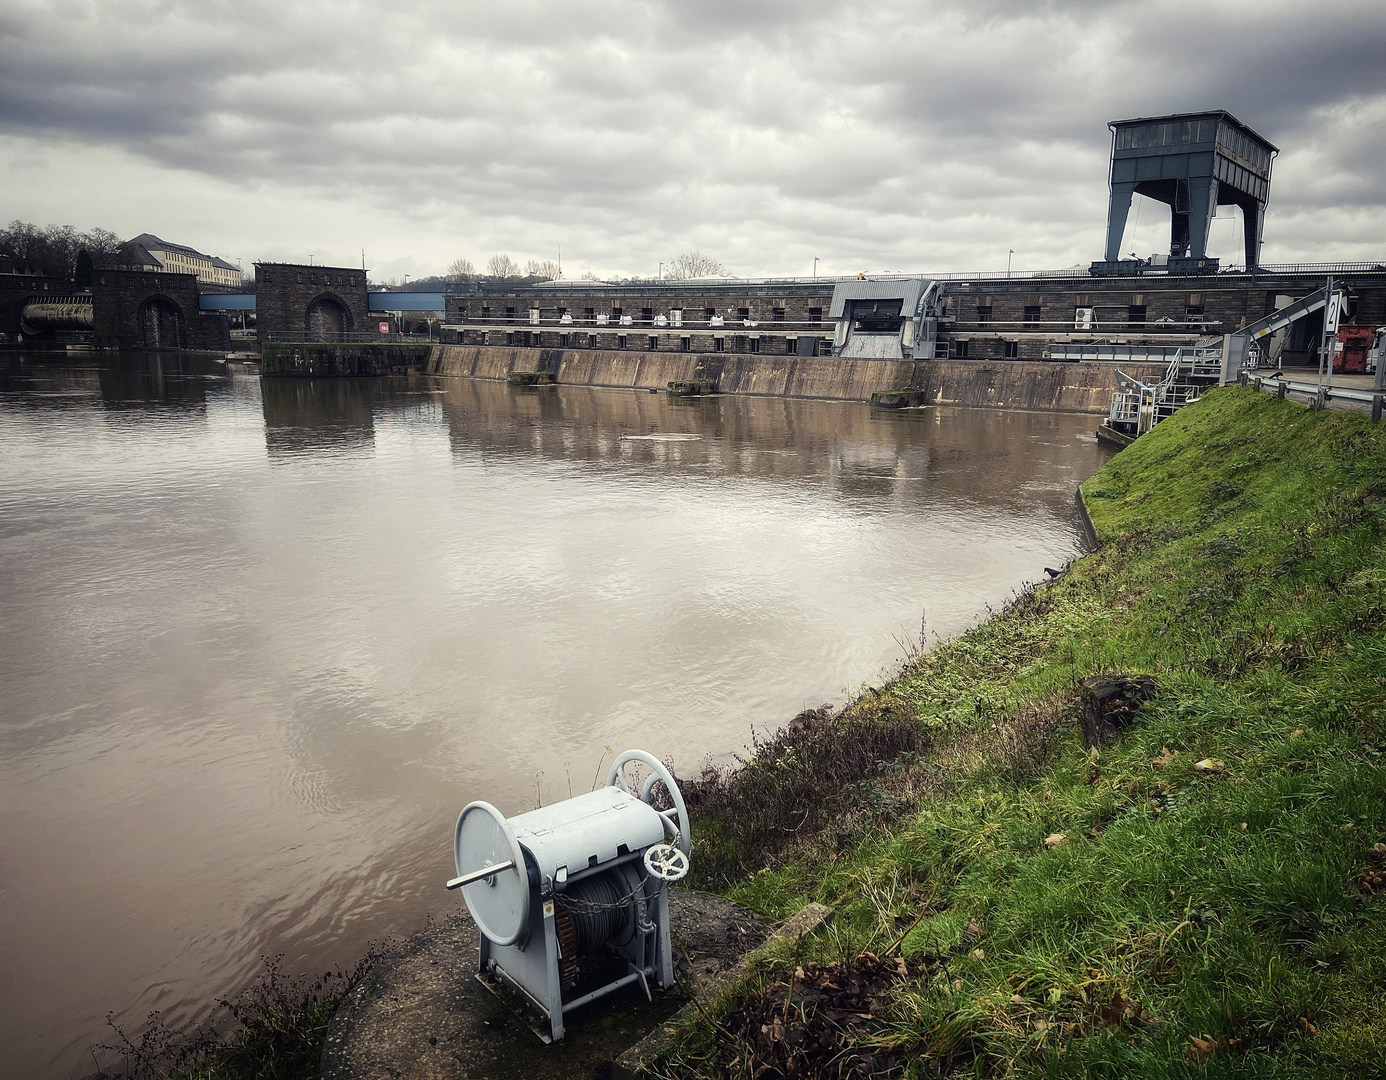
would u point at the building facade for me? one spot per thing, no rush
(148, 251)
(1057, 316)
(294, 302)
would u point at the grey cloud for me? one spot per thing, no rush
(904, 135)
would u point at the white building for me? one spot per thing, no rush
(178, 259)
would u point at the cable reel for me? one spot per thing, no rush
(584, 877)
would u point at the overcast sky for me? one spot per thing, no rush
(880, 136)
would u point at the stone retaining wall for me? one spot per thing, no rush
(998, 384)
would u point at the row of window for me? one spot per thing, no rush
(651, 342)
(343, 280)
(1134, 313)
(647, 317)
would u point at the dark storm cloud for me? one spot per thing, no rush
(881, 136)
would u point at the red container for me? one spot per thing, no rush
(1350, 352)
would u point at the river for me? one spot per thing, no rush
(261, 640)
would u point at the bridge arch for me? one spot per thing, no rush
(162, 324)
(327, 317)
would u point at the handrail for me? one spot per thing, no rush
(302, 337)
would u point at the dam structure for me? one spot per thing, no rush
(1051, 339)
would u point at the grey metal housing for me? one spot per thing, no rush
(1194, 163)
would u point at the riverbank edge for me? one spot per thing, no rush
(1282, 688)
(1138, 512)
(1021, 385)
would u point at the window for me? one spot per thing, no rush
(461, 313)
(616, 314)
(1032, 314)
(791, 346)
(647, 315)
(960, 350)
(719, 344)
(485, 313)
(510, 337)
(1135, 313)
(620, 341)
(815, 315)
(755, 344)
(562, 311)
(685, 344)
(709, 312)
(300, 279)
(509, 314)
(777, 314)
(984, 314)
(589, 315)
(743, 313)
(654, 343)
(562, 341)
(1011, 350)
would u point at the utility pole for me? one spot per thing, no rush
(815, 268)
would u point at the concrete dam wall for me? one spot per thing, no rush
(999, 384)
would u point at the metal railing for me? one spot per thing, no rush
(345, 337)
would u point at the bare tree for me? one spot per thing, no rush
(102, 245)
(503, 267)
(588, 275)
(460, 270)
(546, 269)
(53, 249)
(694, 264)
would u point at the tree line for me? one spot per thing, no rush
(54, 250)
(501, 267)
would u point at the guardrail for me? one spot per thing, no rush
(345, 337)
(1320, 395)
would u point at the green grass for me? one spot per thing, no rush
(1192, 921)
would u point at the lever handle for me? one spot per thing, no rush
(484, 872)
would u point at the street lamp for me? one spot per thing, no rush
(815, 268)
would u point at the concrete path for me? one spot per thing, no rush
(421, 1014)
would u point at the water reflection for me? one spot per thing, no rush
(260, 642)
(319, 414)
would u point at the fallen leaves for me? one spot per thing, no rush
(1165, 757)
(1053, 840)
(820, 1015)
(1203, 1048)
(1209, 765)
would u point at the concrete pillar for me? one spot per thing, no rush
(1203, 201)
(1253, 221)
(1117, 210)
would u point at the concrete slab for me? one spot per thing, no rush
(421, 1014)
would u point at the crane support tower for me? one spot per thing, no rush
(1193, 163)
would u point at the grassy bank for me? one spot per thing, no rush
(1196, 896)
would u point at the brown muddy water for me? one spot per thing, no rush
(261, 641)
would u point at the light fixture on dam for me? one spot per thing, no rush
(584, 878)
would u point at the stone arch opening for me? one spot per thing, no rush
(161, 324)
(328, 318)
